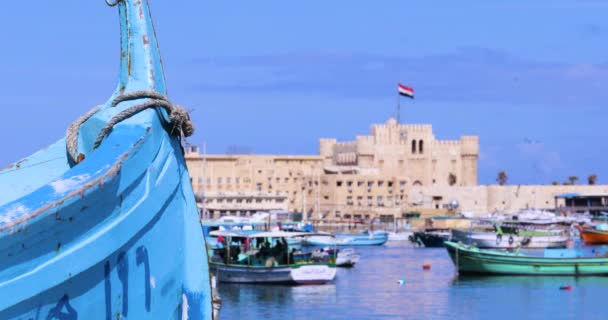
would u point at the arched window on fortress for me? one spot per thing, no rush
(421, 146)
(414, 146)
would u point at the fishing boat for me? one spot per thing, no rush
(375, 238)
(470, 259)
(265, 257)
(431, 238)
(593, 234)
(103, 223)
(521, 238)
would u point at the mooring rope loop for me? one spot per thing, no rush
(113, 4)
(179, 119)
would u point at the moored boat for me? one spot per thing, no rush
(522, 238)
(345, 240)
(593, 235)
(473, 260)
(345, 257)
(103, 224)
(265, 257)
(431, 238)
(374, 238)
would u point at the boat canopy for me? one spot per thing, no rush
(265, 234)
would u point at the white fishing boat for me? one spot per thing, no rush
(523, 238)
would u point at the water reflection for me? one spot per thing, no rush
(371, 291)
(314, 294)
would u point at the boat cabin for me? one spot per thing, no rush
(262, 249)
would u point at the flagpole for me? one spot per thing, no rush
(398, 107)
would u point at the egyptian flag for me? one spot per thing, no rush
(406, 91)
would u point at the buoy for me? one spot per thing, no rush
(401, 282)
(426, 267)
(567, 288)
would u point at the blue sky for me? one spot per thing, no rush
(275, 76)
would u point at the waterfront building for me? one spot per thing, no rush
(368, 177)
(397, 168)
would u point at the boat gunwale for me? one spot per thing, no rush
(109, 174)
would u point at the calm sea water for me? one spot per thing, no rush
(371, 291)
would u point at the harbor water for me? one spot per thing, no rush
(371, 290)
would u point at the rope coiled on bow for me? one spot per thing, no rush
(180, 121)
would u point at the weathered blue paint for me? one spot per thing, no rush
(116, 236)
(108, 290)
(142, 258)
(123, 276)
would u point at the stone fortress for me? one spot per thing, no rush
(398, 168)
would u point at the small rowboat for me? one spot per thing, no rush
(472, 260)
(103, 224)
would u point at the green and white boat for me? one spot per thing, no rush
(472, 260)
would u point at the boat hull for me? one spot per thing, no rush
(294, 274)
(111, 242)
(474, 261)
(592, 236)
(244, 274)
(377, 238)
(341, 242)
(313, 274)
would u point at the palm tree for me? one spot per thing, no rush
(592, 179)
(502, 178)
(452, 179)
(572, 179)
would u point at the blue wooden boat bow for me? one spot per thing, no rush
(104, 225)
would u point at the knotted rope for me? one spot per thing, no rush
(179, 119)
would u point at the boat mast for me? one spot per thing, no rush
(304, 214)
(203, 207)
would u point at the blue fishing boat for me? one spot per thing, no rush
(103, 223)
(376, 238)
